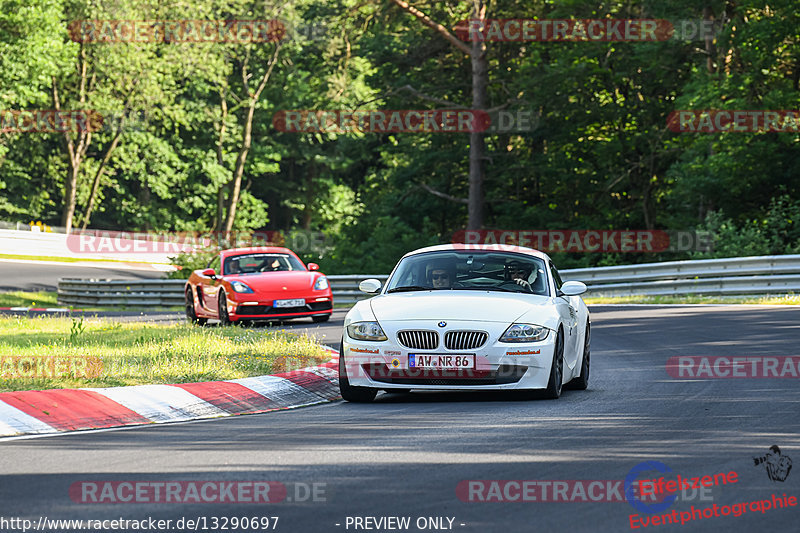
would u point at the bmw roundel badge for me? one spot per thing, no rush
(442, 324)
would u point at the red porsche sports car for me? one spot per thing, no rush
(257, 284)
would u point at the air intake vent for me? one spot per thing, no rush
(465, 340)
(419, 339)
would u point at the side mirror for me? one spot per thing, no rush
(209, 272)
(313, 266)
(370, 286)
(573, 288)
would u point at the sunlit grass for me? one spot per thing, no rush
(786, 299)
(28, 299)
(50, 299)
(137, 353)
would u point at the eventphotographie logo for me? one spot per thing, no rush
(776, 464)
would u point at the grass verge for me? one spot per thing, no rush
(50, 299)
(134, 353)
(71, 259)
(28, 299)
(786, 299)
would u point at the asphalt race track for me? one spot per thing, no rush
(405, 455)
(44, 275)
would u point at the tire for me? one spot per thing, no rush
(553, 390)
(222, 305)
(318, 319)
(191, 313)
(353, 394)
(582, 381)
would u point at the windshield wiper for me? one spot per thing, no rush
(409, 288)
(501, 289)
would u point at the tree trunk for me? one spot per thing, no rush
(480, 79)
(221, 160)
(96, 183)
(70, 194)
(75, 152)
(477, 144)
(236, 184)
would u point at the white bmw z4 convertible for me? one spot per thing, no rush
(467, 317)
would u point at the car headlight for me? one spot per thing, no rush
(366, 331)
(524, 333)
(238, 286)
(321, 284)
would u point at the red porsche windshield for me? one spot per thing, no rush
(260, 263)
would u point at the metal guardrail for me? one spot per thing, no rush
(121, 293)
(775, 274)
(768, 274)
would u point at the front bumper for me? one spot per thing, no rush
(498, 365)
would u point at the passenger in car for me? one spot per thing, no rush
(520, 274)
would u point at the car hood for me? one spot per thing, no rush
(456, 305)
(277, 281)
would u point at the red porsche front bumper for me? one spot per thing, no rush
(264, 310)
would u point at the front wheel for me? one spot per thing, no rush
(553, 390)
(582, 381)
(224, 317)
(350, 393)
(191, 313)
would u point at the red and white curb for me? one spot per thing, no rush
(60, 410)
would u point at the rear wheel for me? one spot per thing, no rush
(582, 381)
(553, 390)
(191, 313)
(321, 318)
(350, 393)
(224, 317)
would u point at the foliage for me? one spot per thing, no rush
(600, 155)
(778, 232)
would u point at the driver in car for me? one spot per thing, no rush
(440, 276)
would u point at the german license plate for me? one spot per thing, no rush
(434, 360)
(297, 302)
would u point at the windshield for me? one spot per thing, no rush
(470, 270)
(258, 263)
